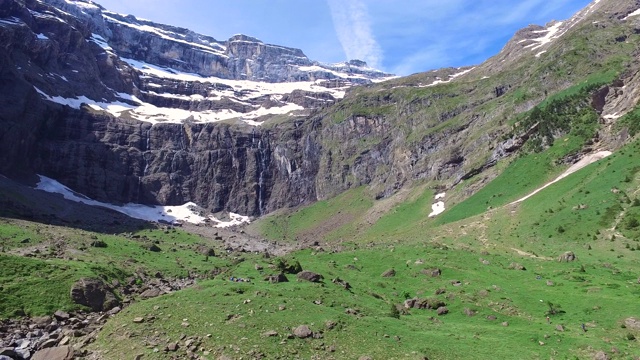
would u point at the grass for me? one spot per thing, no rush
(59, 256)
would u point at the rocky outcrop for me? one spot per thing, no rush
(93, 293)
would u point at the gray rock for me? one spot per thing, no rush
(309, 276)
(302, 332)
(151, 293)
(389, 273)
(567, 257)
(61, 315)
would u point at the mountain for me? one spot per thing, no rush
(489, 211)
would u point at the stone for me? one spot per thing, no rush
(505, 323)
(48, 343)
(54, 353)
(632, 323)
(442, 310)
(567, 257)
(330, 324)
(153, 248)
(560, 328)
(302, 332)
(98, 244)
(269, 333)
(600, 355)
(389, 273)
(469, 312)
(114, 311)
(435, 272)
(61, 315)
(23, 353)
(138, 320)
(516, 266)
(309, 276)
(492, 318)
(151, 293)
(172, 347)
(277, 278)
(93, 293)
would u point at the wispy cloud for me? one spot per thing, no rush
(353, 26)
(433, 33)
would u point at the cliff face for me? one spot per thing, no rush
(124, 110)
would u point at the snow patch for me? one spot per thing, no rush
(552, 33)
(451, 77)
(589, 159)
(635, 13)
(438, 207)
(187, 212)
(42, 36)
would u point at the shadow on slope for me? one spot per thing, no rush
(19, 201)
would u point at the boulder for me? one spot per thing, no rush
(277, 278)
(309, 276)
(632, 323)
(442, 310)
(302, 332)
(152, 247)
(54, 353)
(98, 244)
(389, 273)
(432, 272)
(150, 293)
(61, 315)
(567, 257)
(93, 293)
(601, 355)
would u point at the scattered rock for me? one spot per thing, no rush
(309, 276)
(601, 355)
(409, 303)
(342, 283)
(98, 244)
(172, 347)
(632, 323)
(505, 323)
(302, 332)
(560, 328)
(150, 293)
(432, 272)
(138, 320)
(330, 324)
(442, 310)
(440, 291)
(114, 311)
(492, 318)
(567, 257)
(61, 315)
(269, 333)
(549, 283)
(469, 312)
(277, 278)
(456, 282)
(206, 251)
(516, 266)
(54, 353)
(389, 273)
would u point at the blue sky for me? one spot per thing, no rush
(397, 36)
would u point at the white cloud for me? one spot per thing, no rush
(353, 26)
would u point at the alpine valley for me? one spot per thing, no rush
(168, 195)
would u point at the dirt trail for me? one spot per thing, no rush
(588, 159)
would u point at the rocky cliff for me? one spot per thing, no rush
(125, 110)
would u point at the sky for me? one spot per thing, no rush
(397, 36)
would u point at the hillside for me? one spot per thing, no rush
(481, 212)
